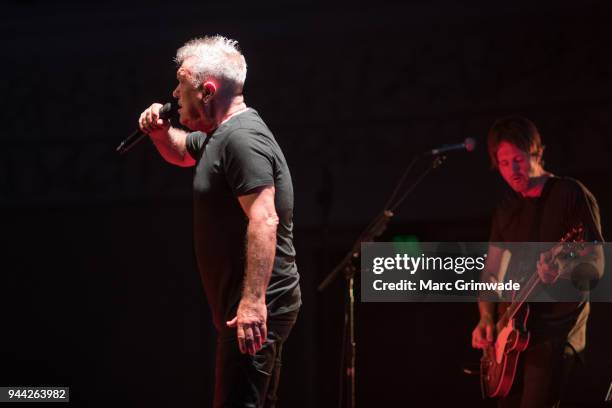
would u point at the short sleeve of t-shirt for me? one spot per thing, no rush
(583, 209)
(248, 161)
(194, 143)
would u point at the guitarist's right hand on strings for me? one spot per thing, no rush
(484, 333)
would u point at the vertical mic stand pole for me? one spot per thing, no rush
(350, 315)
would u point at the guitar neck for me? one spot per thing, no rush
(521, 296)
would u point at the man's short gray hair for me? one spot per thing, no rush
(215, 57)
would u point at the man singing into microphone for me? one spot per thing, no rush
(242, 193)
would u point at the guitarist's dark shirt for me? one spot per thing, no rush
(564, 204)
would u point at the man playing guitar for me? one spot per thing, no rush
(540, 208)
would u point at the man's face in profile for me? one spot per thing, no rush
(189, 97)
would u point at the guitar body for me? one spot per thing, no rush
(499, 361)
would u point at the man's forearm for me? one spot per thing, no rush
(486, 309)
(261, 248)
(172, 147)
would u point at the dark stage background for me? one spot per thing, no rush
(98, 283)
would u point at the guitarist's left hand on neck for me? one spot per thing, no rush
(548, 267)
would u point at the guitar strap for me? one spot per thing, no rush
(531, 252)
(535, 235)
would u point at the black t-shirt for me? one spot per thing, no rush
(564, 204)
(240, 156)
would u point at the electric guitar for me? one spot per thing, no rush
(499, 361)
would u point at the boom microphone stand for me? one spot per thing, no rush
(375, 229)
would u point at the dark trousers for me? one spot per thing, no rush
(245, 381)
(542, 373)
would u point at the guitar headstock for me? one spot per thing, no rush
(576, 234)
(573, 240)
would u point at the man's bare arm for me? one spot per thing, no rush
(484, 332)
(169, 141)
(251, 317)
(172, 147)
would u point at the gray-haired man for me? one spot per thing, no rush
(242, 190)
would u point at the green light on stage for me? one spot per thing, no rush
(405, 238)
(407, 244)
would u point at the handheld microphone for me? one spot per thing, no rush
(468, 144)
(165, 112)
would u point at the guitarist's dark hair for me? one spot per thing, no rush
(516, 130)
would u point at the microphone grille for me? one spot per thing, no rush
(167, 110)
(470, 144)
